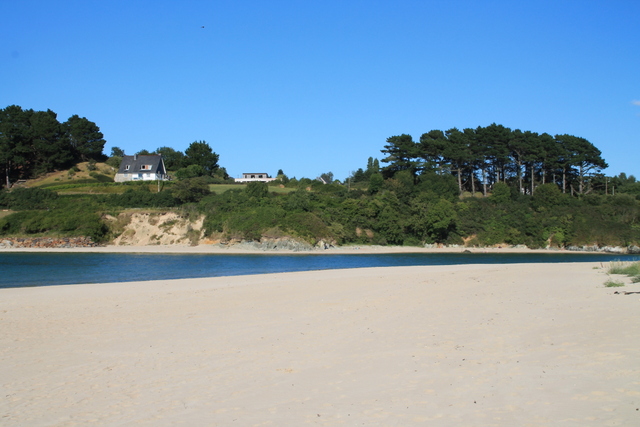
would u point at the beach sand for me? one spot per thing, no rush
(472, 345)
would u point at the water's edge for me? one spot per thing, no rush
(45, 269)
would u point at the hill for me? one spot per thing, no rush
(82, 173)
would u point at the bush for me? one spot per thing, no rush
(191, 190)
(100, 177)
(60, 222)
(191, 171)
(141, 198)
(114, 161)
(257, 190)
(28, 198)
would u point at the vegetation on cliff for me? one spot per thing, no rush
(485, 186)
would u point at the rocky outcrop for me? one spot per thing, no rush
(607, 249)
(266, 244)
(47, 242)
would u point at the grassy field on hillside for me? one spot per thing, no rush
(221, 188)
(4, 213)
(83, 181)
(80, 173)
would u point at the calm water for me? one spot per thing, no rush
(31, 269)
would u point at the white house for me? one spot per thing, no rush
(141, 168)
(254, 177)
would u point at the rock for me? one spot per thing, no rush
(323, 245)
(614, 250)
(48, 242)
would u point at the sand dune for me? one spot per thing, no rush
(475, 345)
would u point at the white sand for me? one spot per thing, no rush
(503, 345)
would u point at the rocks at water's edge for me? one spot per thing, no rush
(47, 242)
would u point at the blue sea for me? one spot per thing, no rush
(46, 269)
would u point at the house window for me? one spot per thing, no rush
(145, 167)
(126, 168)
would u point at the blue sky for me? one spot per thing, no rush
(313, 86)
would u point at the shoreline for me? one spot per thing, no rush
(242, 249)
(482, 345)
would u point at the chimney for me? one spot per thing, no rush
(135, 157)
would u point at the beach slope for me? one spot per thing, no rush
(477, 345)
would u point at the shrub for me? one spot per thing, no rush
(140, 198)
(59, 222)
(257, 190)
(191, 190)
(28, 198)
(100, 177)
(191, 171)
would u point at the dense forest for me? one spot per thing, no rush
(475, 187)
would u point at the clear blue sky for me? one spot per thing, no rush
(311, 86)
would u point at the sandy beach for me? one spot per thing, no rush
(475, 345)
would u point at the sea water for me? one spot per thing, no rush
(43, 269)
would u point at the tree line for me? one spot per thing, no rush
(35, 142)
(479, 158)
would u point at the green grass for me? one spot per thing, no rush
(4, 213)
(613, 284)
(221, 188)
(100, 187)
(630, 269)
(90, 189)
(627, 268)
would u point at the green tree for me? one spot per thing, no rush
(580, 157)
(327, 178)
(402, 154)
(117, 152)
(85, 137)
(375, 183)
(358, 176)
(373, 166)
(501, 193)
(402, 184)
(14, 147)
(494, 140)
(191, 190)
(431, 149)
(457, 154)
(200, 153)
(191, 171)
(50, 144)
(173, 159)
(441, 220)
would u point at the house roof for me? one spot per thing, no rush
(135, 163)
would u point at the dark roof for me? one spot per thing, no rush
(136, 162)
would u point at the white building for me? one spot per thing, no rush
(254, 177)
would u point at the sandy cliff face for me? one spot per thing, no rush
(168, 228)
